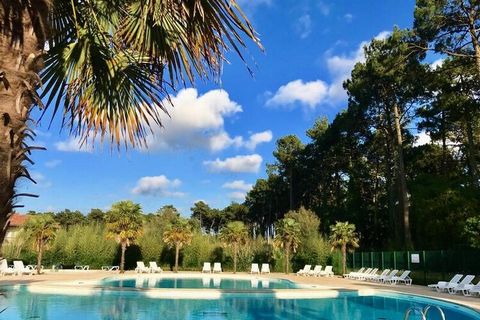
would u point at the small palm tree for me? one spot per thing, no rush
(125, 225)
(343, 236)
(42, 230)
(287, 237)
(234, 234)
(178, 235)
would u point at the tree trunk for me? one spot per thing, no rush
(21, 50)
(39, 257)
(402, 181)
(291, 188)
(177, 254)
(287, 259)
(122, 257)
(235, 253)
(344, 258)
(472, 154)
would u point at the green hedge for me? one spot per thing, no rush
(87, 245)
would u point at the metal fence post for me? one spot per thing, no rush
(424, 266)
(383, 262)
(408, 260)
(361, 259)
(394, 260)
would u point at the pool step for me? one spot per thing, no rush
(423, 312)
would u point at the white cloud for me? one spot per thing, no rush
(422, 138)
(159, 186)
(53, 163)
(258, 138)
(238, 185)
(197, 122)
(309, 94)
(316, 92)
(237, 196)
(73, 144)
(437, 63)
(304, 26)
(246, 163)
(348, 17)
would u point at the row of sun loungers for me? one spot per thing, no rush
(152, 268)
(207, 267)
(18, 268)
(386, 276)
(255, 269)
(316, 272)
(457, 284)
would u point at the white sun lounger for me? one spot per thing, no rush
(305, 270)
(327, 272)
(353, 273)
(404, 277)
(141, 268)
(357, 275)
(372, 273)
(265, 268)
(462, 285)
(20, 268)
(465, 289)
(110, 268)
(455, 279)
(472, 290)
(82, 267)
(375, 277)
(5, 269)
(316, 271)
(217, 267)
(254, 269)
(207, 268)
(388, 277)
(154, 268)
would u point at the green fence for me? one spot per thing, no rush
(426, 266)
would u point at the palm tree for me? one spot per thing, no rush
(106, 67)
(343, 236)
(234, 234)
(125, 225)
(42, 230)
(178, 235)
(287, 237)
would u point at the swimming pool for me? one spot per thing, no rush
(199, 283)
(128, 304)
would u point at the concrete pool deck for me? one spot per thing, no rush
(73, 282)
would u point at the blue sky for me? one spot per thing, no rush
(221, 136)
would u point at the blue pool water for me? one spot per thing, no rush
(198, 283)
(132, 305)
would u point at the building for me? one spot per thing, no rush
(16, 223)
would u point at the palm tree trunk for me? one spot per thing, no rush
(122, 258)
(21, 52)
(344, 258)
(235, 252)
(39, 257)
(177, 254)
(287, 260)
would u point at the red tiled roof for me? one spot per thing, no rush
(17, 220)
